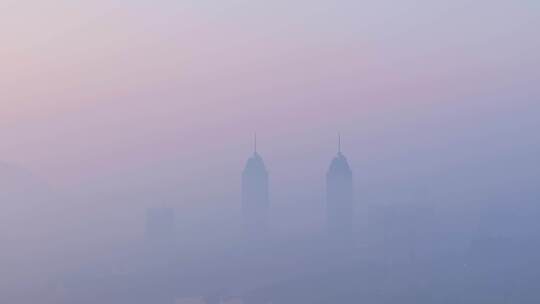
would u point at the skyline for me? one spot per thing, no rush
(111, 108)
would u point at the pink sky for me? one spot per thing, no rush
(134, 103)
(95, 84)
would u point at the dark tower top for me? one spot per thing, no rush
(255, 198)
(339, 199)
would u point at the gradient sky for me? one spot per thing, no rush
(120, 105)
(114, 96)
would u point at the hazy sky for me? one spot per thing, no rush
(110, 93)
(120, 105)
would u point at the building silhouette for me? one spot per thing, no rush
(339, 198)
(255, 197)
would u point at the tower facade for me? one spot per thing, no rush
(339, 198)
(255, 196)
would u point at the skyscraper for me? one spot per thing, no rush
(255, 198)
(339, 198)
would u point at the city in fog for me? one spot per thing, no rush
(269, 152)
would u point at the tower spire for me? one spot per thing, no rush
(255, 142)
(339, 143)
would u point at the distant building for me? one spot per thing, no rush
(160, 225)
(339, 198)
(255, 197)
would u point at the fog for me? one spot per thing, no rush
(127, 133)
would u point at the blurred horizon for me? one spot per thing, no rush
(109, 108)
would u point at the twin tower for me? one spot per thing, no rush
(339, 198)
